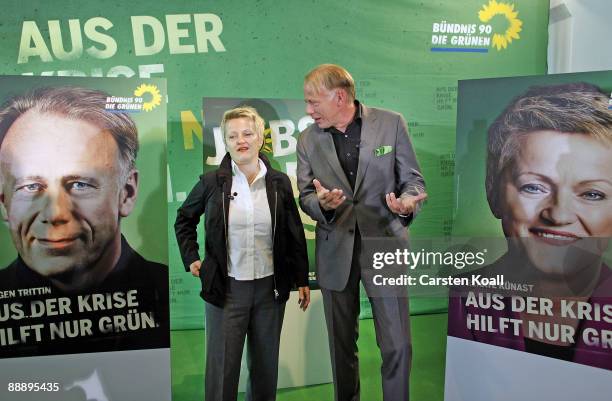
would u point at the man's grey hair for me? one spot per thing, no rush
(76, 103)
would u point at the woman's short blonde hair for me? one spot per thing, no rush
(579, 108)
(244, 112)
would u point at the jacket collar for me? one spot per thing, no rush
(273, 178)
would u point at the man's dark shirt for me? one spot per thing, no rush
(347, 145)
(132, 272)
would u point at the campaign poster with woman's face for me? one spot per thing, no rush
(533, 175)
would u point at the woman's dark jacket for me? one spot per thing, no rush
(212, 195)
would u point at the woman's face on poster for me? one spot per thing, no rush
(557, 200)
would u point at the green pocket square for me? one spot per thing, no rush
(383, 150)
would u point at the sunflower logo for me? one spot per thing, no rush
(267, 145)
(502, 40)
(153, 92)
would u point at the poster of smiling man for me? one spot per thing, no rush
(84, 266)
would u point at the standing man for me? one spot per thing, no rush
(358, 177)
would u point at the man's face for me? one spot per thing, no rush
(62, 195)
(324, 106)
(242, 141)
(558, 198)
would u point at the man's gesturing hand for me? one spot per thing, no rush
(406, 204)
(328, 199)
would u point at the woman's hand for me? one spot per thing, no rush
(304, 299)
(195, 267)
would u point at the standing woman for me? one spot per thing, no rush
(255, 252)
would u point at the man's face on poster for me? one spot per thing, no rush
(558, 200)
(63, 193)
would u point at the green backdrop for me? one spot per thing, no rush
(394, 49)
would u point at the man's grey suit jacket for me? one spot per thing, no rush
(387, 163)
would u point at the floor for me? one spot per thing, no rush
(427, 378)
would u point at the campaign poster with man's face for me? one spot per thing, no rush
(83, 244)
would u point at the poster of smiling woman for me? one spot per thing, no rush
(534, 177)
(83, 275)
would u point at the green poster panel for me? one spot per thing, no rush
(83, 244)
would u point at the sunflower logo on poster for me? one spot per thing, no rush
(145, 97)
(497, 27)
